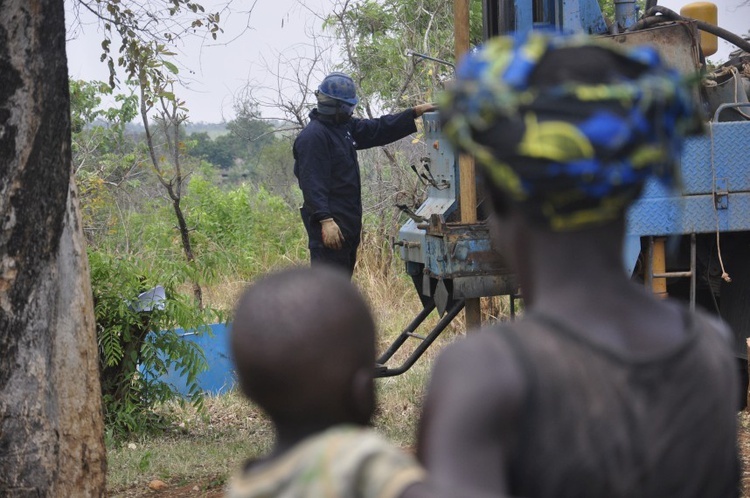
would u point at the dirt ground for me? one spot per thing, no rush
(743, 442)
(205, 488)
(214, 487)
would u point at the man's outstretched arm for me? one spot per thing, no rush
(383, 130)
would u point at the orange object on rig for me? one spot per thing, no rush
(707, 12)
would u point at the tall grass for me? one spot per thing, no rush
(239, 235)
(209, 446)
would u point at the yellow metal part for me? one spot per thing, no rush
(707, 12)
(467, 175)
(659, 285)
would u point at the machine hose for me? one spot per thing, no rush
(651, 18)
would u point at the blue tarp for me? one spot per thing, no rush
(220, 376)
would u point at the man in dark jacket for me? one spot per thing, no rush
(325, 163)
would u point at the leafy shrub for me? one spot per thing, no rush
(242, 231)
(237, 233)
(136, 347)
(134, 246)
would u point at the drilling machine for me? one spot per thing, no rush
(452, 261)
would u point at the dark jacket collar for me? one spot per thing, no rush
(324, 118)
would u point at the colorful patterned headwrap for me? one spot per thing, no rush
(569, 126)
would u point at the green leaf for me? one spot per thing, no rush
(172, 68)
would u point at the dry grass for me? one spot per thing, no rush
(224, 295)
(197, 447)
(201, 450)
(208, 447)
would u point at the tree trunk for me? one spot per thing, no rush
(51, 430)
(188, 248)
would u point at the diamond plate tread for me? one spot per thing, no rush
(731, 158)
(661, 212)
(732, 152)
(695, 166)
(688, 214)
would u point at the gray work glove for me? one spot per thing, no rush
(332, 236)
(423, 108)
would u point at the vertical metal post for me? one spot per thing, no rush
(648, 278)
(461, 27)
(626, 14)
(467, 174)
(659, 267)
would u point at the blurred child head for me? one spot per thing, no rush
(303, 345)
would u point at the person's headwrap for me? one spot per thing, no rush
(569, 126)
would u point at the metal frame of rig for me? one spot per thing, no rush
(685, 243)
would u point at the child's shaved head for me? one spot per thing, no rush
(303, 344)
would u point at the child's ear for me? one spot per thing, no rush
(363, 395)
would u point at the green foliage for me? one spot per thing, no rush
(243, 230)
(250, 151)
(130, 229)
(135, 347)
(377, 35)
(238, 233)
(249, 129)
(248, 136)
(216, 151)
(275, 171)
(85, 98)
(145, 462)
(138, 346)
(608, 9)
(144, 31)
(105, 154)
(85, 108)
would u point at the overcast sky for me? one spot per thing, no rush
(217, 72)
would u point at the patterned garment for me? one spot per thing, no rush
(342, 462)
(578, 153)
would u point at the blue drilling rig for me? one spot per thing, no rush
(693, 244)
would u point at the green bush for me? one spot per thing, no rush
(133, 246)
(236, 234)
(243, 231)
(137, 347)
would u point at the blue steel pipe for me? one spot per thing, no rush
(626, 14)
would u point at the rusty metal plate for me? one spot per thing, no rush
(677, 43)
(458, 249)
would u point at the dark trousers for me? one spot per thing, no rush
(345, 258)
